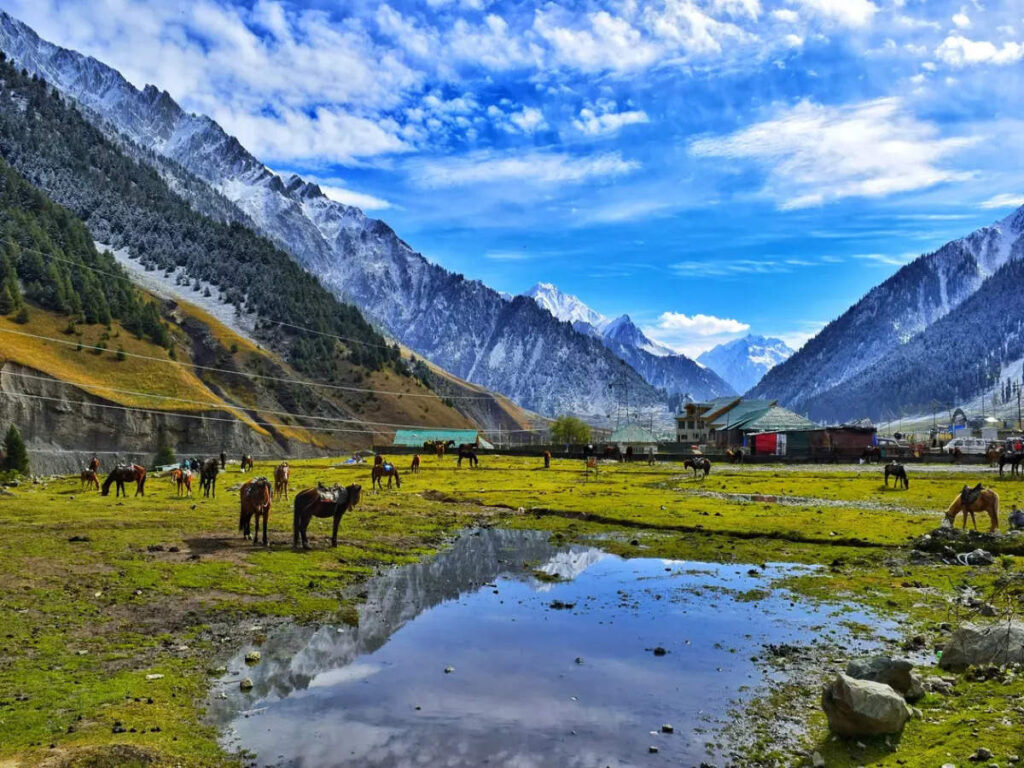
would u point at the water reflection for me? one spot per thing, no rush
(529, 685)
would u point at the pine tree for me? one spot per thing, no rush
(164, 451)
(6, 300)
(15, 455)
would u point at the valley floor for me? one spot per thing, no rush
(115, 612)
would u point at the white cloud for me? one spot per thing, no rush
(848, 13)
(883, 259)
(328, 134)
(485, 167)
(701, 325)
(351, 197)
(528, 120)
(815, 154)
(959, 51)
(962, 20)
(786, 15)
(600, 123)
(1004, 200)
(508, 256)
(794, 41)
(604, 42)
(692, 334)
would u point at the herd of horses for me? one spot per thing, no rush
(256, 496)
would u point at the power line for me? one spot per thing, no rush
(245, 374)
(225, 405)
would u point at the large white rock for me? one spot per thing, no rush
(974, 644)
(896, 673)
(863, 707)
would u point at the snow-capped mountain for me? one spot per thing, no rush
(660, 366)
(873, 331)
(513, 347)
(565, 306)
(743, 362)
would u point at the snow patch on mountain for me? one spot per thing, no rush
(565, 306)
(743, 362)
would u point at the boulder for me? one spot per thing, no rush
(974, 644)
(896, 673)
(863, 707)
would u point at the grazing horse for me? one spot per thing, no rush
(255, 498)
(871, 454)
(246, 463)
(698, 464)
(1013, 459)
(899, 475)
(94, 464)
(956, 455)
(735, 455)
(439, 447)
(322, 502)
(971, 500)
(122, 474)
(182, 478)
(281, 475)
(992, 455)
(89, 479)
(381, 471)
(208, 477)
(415, 463)
(469, 455)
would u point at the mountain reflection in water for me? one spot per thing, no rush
(379, 694)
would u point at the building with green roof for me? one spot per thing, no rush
(415, 438)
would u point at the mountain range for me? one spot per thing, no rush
(660, 366)
(945, 327)
(744, 362)
(470, 330)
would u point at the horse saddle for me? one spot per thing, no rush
(969, 495)
(389, 467)
(332, 495)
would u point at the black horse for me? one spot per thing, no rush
(1011, 458)
(208, 477)
(466, 452)
(899, 475)
(698, 464)
(735, 455)
(322, 502)
(871, 454)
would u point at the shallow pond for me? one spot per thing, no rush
(474, 658)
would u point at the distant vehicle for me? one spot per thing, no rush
(891, 443)
(967, 445)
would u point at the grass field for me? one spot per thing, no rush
(96, 593)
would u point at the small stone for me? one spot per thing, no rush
(579, 659)
(449, 670)
(246, 684)
(817, 761)
(155, 676)
(652, 749)
(659, 651)
(981, 753)
(666, 728)
(252, 657)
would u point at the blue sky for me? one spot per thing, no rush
(707, 166)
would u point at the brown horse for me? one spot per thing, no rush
(735, 455)
(439, 447)
(89, 479)
(415, 464)
(987, 501)
(380, 471)
(208, 477)
(281, 475)
(94, 464)
(122, 474)
(871, 454)
(182, 478)
(547, 459)
(246, 463)
(992, 455)
(255, 499)
(322, 502)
